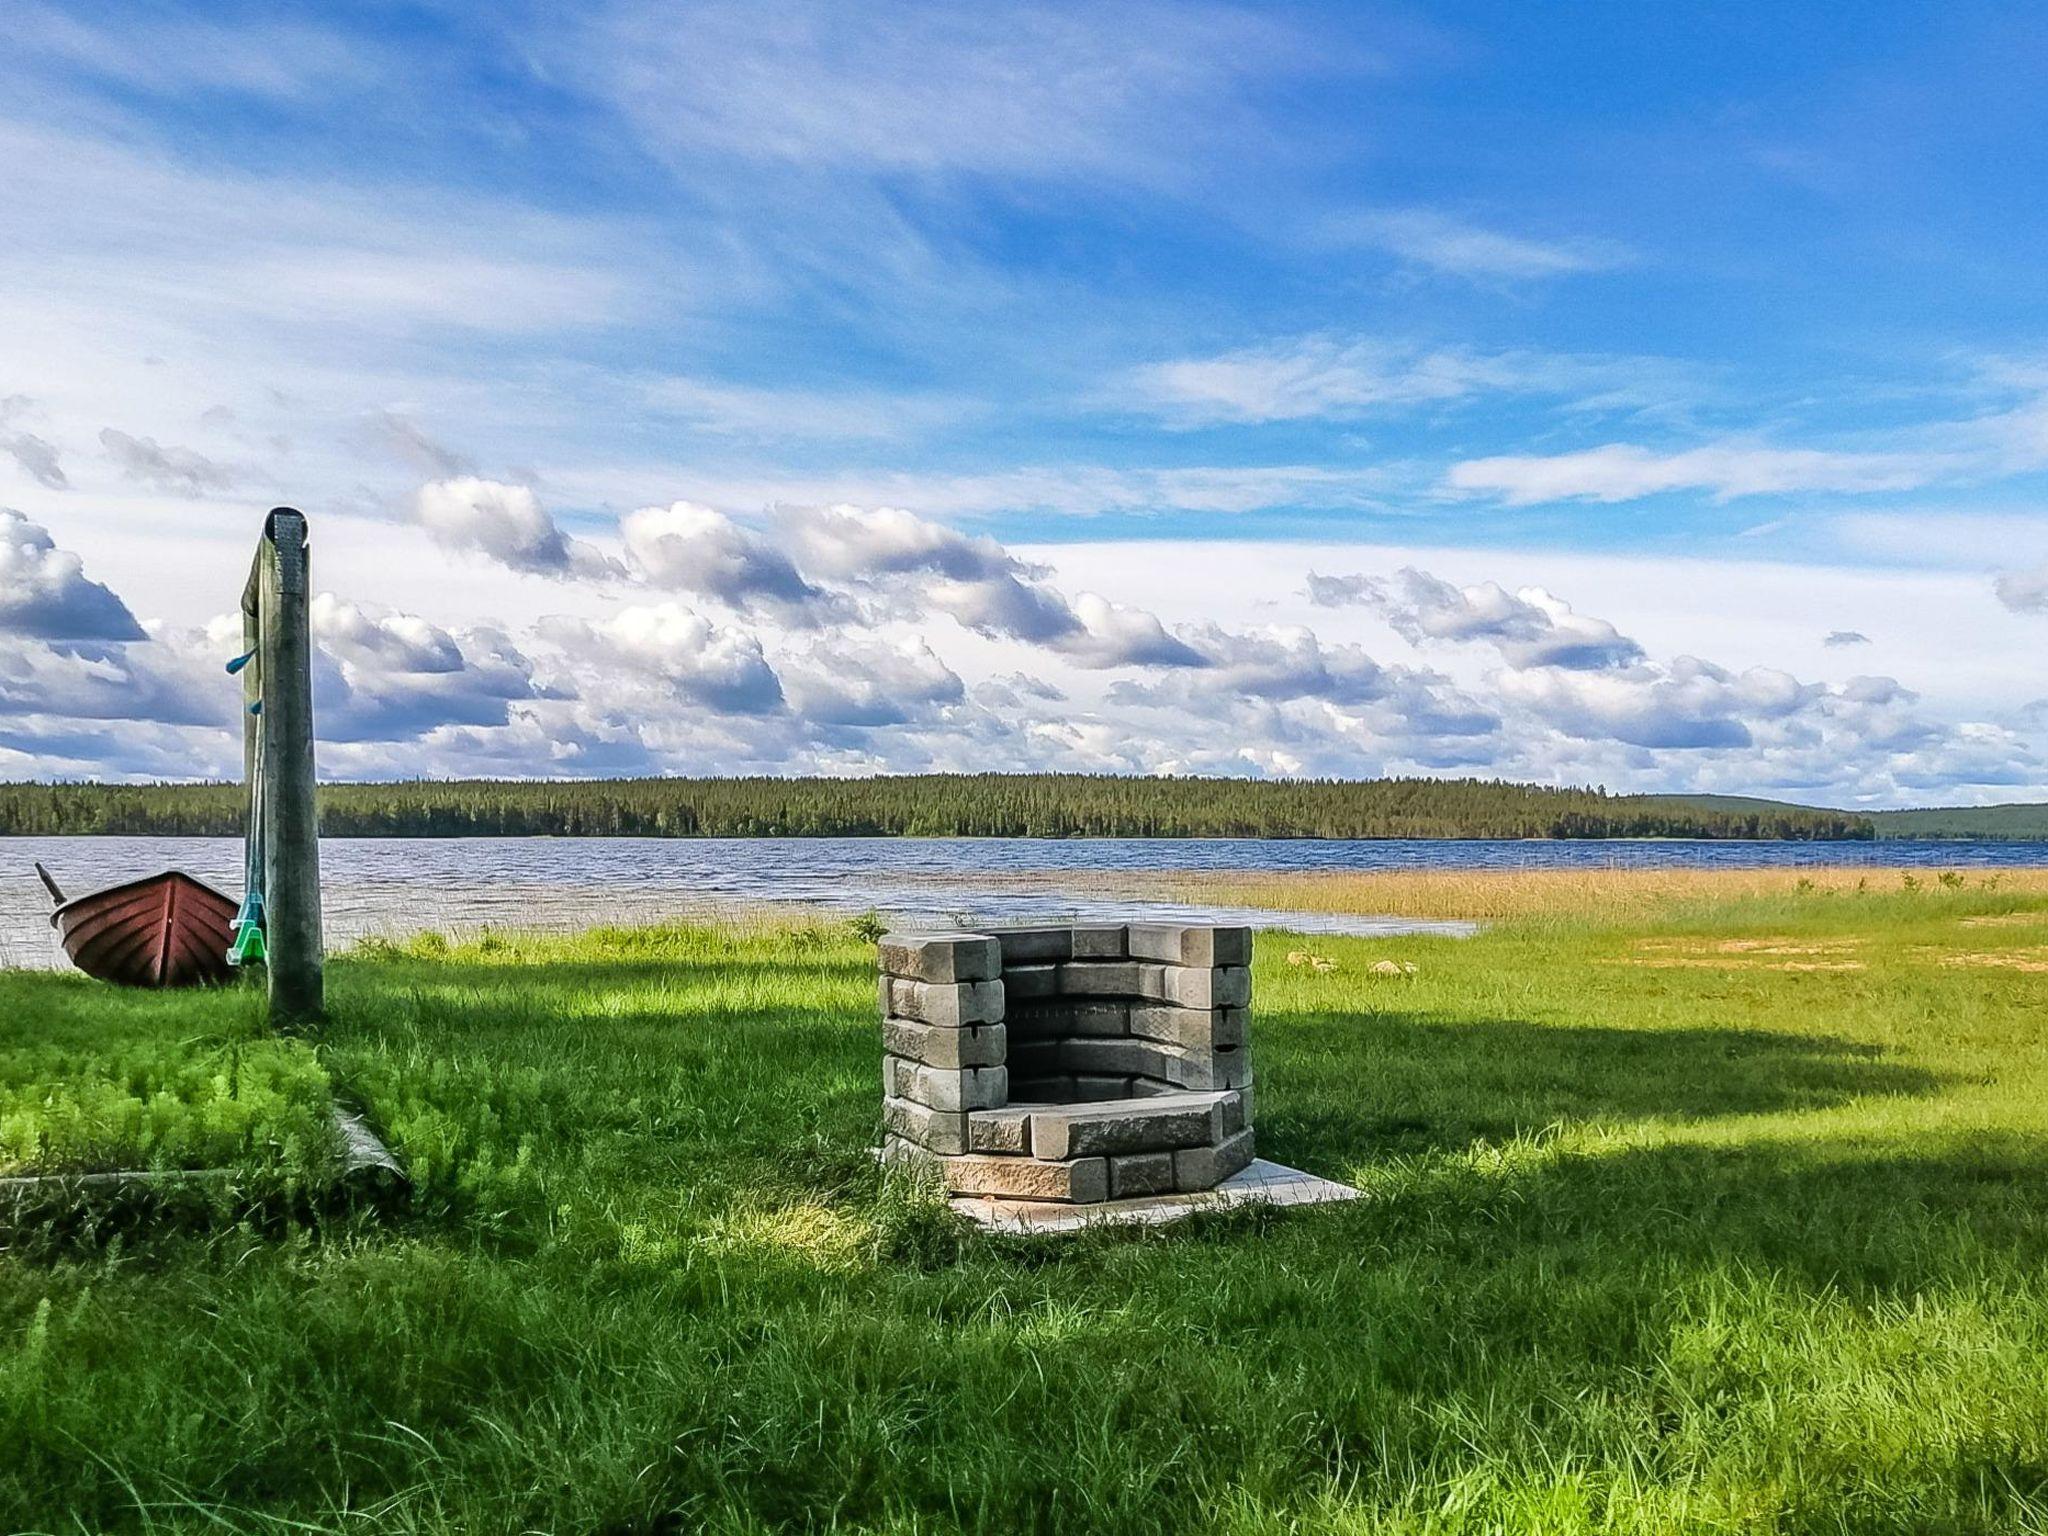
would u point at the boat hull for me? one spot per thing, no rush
(167, 930)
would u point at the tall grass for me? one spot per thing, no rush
(1719, 1247)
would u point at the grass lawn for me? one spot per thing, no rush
(1717, 1214)
(94, 1079)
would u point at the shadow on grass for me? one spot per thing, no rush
(1358, 1085)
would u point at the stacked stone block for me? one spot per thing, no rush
(1080, 1063)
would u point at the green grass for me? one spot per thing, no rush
(93, 1079)
(1689, 1245)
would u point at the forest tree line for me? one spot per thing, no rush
(925, 805)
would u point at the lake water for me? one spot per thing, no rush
(392, 886)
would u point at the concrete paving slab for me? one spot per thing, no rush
(1262, 1183)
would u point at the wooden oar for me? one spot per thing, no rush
(49, 884)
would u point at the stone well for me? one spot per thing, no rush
(1076, 1064)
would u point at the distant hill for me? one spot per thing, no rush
(929, 805)
(2004, 823)
(1983, 823)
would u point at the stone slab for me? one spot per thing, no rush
(976, 1045)
(941, 957)
(1001, 1130)
(951, 1005)
(952, 1090)
(1099, 941)
(1200, 986)
(1188, 1028)
(1163, 1124)
(1262, 1183)
(1200, 1168)
(1140, 1173)
(1023, 946)
(935, 1130)
(1029, 1178)
(1186, 944)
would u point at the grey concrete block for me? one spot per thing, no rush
(1122, 1057)
(1140, 1173)
(1099, 941)
(1199, 1069)
(1206, 1167)
(951, 1005)
(940, 957)
(1099, 978)
(1233, 1106)
(1152, 1087)
(954, 1091)
(1188, 1028)
(1073, 1016)
(1027, 983)
(1092, 1088)
(899, 1152)
(1000, 1130)
(1187, 944)
(1083, 1179)
(1133, 1125)
(1191, 986)
(975, 1045)
(1024, 946)
(935, 1130)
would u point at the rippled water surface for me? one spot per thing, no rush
(395, 886)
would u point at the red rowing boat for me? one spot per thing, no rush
(166, 930)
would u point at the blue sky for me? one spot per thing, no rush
(1658, 395)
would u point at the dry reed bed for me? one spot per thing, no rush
(1498, 894)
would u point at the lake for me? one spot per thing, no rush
(394, 886)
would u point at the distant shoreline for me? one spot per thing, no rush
(1055, 806)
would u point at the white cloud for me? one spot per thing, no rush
(1725, 470)
(508, 524)
(1115, 89)
(383, 676)
(692, 659)
(1530, 628)
(2024, 591)
(35, 456)
(869, 684)
(45, 593)
(1444, 243)
(688, 547)
(1323, 376)
(179, 471)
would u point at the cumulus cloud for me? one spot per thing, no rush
(692, 548)
(1113, 635)
(869, 684)
(1837, 638)
(2024, 591)
(1529, 628)
(383, 676)
(45, 593)
(37, 459)
(691, 658)
(508, 524)
(180, 471)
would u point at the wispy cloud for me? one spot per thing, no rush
(1031, 91)
(165, 467)
(1724, 470)
(1445, 243)
(1343, 378)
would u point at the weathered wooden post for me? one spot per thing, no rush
(277, 756)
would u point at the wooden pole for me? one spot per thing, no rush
(291, 832)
